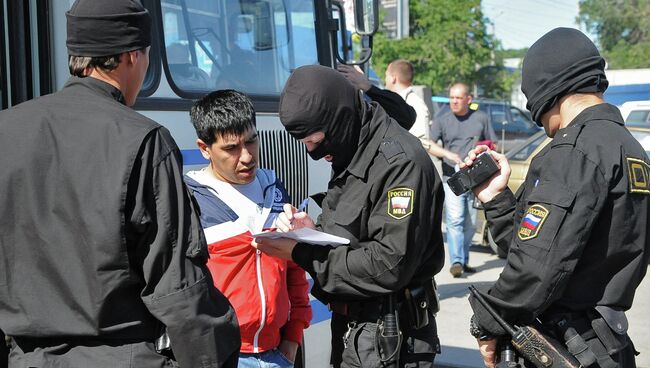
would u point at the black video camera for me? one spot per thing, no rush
(469, 177)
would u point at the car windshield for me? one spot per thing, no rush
(638, 116)
(527, 148)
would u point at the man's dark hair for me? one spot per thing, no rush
(222, 112)
(79, 64)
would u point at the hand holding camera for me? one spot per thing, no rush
(485, 172)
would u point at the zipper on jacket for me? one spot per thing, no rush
(260, 286)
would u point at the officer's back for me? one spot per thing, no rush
(100, 245)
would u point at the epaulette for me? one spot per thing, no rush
(390, 149)
(568, 135)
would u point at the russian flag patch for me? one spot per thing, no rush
(532, 222)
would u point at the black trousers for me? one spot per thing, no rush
(418, 349)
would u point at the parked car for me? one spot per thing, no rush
(636, 112)
(521, 156)
(512, 125)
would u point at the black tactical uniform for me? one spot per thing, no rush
(580, 240)
(577, 227)
(388, 201)
(101, 246)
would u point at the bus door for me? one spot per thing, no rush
(25, 58)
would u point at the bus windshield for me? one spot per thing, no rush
(248, 45)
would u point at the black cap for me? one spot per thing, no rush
(563, 61)
(107, 27)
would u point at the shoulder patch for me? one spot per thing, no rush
(390, 149)
(638, 172)
(532, 222)
(400, 202)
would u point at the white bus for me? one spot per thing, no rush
(200, 46)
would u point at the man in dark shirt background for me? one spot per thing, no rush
(100, 243)
(460, 129)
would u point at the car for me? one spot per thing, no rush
(520, 158)
(511, 125)
(636, 112)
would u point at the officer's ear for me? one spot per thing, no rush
(132, 57)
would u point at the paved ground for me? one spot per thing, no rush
(459, 348)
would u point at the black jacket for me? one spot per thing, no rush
(394, 243)
(577, 228)
(98, 236)
(394, 105)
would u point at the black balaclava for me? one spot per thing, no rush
(317, 98)
(107, 27)
(563, 61)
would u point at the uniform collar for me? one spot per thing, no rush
(603, 111)
(371, 136)
(98, 86)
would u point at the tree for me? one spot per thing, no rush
(448, 42)
(623, 30)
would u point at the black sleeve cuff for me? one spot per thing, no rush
(372, 91)
(306, 255)
(501, 203)
(485, 323)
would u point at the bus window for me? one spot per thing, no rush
(4, 102)
(248, 45)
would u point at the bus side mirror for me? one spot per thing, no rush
(366, 16)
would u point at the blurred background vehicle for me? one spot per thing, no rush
(636, 112)
(520, 157)
(512, 125)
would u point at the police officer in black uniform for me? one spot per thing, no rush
(577, 229)
(101, 247)
(386, 198)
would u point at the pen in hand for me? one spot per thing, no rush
(301, 208)
(303, 205)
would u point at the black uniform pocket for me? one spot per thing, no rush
(546, 209)
(360, 347)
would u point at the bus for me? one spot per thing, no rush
(200, 46)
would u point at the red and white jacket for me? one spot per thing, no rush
(270, 295)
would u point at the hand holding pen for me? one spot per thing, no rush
(294, 218)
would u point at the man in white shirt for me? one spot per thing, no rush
(399, 79)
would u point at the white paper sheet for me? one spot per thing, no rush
(306, 235)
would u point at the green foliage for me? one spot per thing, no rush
(448, 42)
(511, 53)
(623, 29)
